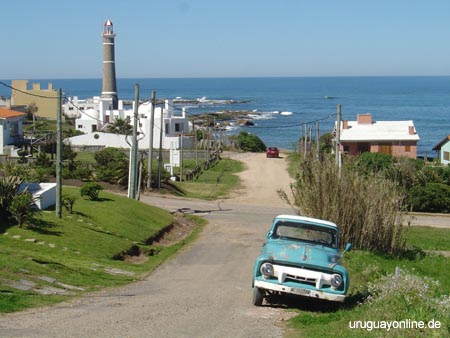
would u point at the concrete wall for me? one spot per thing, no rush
(47, 106)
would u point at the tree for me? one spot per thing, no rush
(112, 166)
(120, 126)
(249, 142)
(31, 111)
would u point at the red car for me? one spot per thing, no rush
(272, 152)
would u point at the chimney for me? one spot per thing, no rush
(345, 124)
(365, 118)
(411, 130)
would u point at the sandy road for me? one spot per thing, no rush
(205, 291)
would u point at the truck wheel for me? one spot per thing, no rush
(257, 297)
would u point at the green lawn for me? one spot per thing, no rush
(216, 182)
(78, 249)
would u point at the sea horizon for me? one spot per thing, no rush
(304, 99)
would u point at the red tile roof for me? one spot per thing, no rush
(7, 113)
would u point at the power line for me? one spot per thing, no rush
(176, 108)
(332, 115)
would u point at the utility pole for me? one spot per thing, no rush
(317, 140)
(160, 147)
(196, 145)
(58, 157)
(134, 148)
(338, 138)
(150, 146)
(181, 154)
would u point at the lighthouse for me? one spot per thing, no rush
(109, 88)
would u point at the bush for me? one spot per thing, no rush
(8, 189)
(22, 208)
(366, 207)
(112, 166)
(249, 142)
(411, 296)
(68, 202)
(374, 162)
(433, 197)
(91, 190)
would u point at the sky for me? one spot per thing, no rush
(49, 39)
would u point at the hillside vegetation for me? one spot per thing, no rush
(84, 251)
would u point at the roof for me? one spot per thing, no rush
(441, 143)
(306, 219)
(8, 113)
(379, 131)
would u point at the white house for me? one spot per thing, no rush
(94, 119)
(10, 128)
(43, 193)
(396, 138)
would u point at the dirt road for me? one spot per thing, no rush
(205, 291)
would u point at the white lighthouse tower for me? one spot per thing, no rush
(109, 88)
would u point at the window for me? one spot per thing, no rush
(446, 156)
(178, 127)
(80, 126)
(167, 128)
(407, 148)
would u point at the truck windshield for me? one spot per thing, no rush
(306, 232)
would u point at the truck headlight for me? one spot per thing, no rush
(266, 269)
(336, 281)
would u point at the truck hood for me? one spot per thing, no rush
(298, 253)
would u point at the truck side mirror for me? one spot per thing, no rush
(348, 247)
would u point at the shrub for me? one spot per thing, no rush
(8, 189)
(433, 197)
(42, 160)
(112, 166)
(249, 142)
(68, 202)
(22, 208)
(410, 296)
(91, 190)
(374, 162)
(366, 207)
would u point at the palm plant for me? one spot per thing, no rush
(8, 188)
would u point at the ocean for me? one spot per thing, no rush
(282, 105)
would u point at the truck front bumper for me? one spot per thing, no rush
(298, 291)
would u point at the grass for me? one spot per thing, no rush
(77, 250)
(214, 183)
(366, 268)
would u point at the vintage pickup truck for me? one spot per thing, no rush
(300, 257)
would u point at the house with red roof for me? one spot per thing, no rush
(10, 128)
(396, 138)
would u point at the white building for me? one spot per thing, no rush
(95, 115)
(11, 131)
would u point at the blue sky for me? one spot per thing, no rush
(210, 38)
